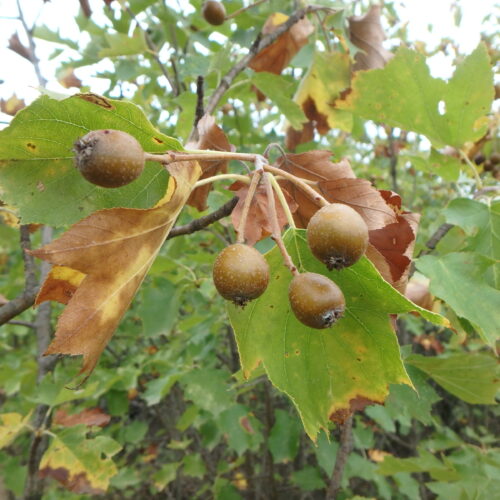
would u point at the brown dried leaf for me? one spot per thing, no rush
(60, 285)
(16, 45)
(211, 136)
(258, 224)
(68, 79)
(77, 483)
(89, 416)
(12, 105)
(114, 248)
(276, 56)
(367, 34)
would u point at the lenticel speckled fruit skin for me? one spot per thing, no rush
(240, 273)
(316, 300)
(214, 12)
(109, 158)
(337, 235)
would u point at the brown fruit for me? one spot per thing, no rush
(240, 273)
(316, 300)
(337, 235)
(214, 12)
(109, 158)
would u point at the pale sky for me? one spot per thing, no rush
(427, 20)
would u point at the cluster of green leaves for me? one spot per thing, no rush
(183, 416)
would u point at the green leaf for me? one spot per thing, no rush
(308, 479)
(165, 475)
(207, 388)
(324, 371)
(403, 94)
(472, 377)
(45, 33)
(482, 223)
(284, 437)
(241, 428)
(279, 91)
(36, 162)
(458, 279)
(121, 44)
(89, 460)
(194, 466)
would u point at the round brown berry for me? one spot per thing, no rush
(214, 12)
(316, 300)
(240, 273)
(109, 158)
(337, 236)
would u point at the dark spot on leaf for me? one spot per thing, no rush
(297, 352)
(287, 355)
(96, 99)
(358, 359)
(30, 145)
(159, 141)
(271, 307)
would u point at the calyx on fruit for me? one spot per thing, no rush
(109, 158)
(240, 273)
(214, 12)
(337, 236)
(316, 300)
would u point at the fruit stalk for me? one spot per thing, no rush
(276, 233)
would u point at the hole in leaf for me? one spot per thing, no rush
(441, 108)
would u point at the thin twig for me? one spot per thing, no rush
(34, 59)
(27, 324)
(438, 235)
(243, 9)
(153, 50)
(200, 95)
(341, 459)
(221, 177)
(205, 221)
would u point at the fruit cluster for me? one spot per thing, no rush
(337, 235)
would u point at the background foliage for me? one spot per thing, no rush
(168, 413)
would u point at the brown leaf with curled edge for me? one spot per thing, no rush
(16, 46)
(89, 417)
(392, 232)
(210, 136)
(12, 105)
(357, 403)
(114, 248)
(276, 56)
(367, 34)
(258, 224)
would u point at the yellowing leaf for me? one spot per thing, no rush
(114, 249)
(11, 424)
(60, 285)
(82, 465)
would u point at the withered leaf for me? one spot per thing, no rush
(16, 46)
(12, 105)
(258, 224)
(392, 232)
(276, 56)
(114, 249)
(89, 417)
(68, 79)
(210, 136)
(60, 285)
(367, 34)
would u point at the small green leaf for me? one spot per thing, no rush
(165, 475)
(308, 479)
(284, 437)
(279, 91)
(472, 377)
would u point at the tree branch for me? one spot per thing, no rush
(341, 459)
(206, 220)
